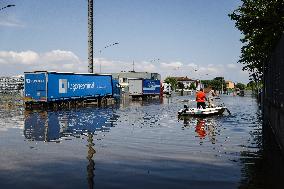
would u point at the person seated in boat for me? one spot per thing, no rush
(200, 99)
(210, 98)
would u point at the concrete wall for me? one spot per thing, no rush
(273, 97)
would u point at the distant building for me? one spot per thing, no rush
(185, 81)
(167, 88)
(199, 85)
(11, 84)
(123, 77)
(230, 85)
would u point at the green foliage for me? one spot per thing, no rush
(180, 85)
(251, 85)
(241, 86)
(172, 81)
(192, 86)
(219, 78)
(254, 86)
(206, 83)
(262, 24)
(216, 83)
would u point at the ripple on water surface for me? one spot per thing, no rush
(143, 144)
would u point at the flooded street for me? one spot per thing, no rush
(135, 145)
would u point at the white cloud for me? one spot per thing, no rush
(59, 55)
(14, 63)
(232, 66)
(192, 65)
(10, 22)
(172, 65)
(11, 57)
(59, 60)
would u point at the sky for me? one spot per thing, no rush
(193, 38)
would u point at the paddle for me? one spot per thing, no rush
(228, 111)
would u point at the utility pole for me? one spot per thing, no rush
(222, 86)
(90, 36)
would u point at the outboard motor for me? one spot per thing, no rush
(185, 108)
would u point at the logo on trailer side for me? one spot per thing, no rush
(62, 85)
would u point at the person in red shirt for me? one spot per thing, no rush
(200, 99)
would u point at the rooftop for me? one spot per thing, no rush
(183, 79)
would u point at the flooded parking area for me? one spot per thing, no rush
(137, 145)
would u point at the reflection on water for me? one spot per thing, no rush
(204, 127)
(91, 165)
(140, 144)
(52, 126)
(262, 160)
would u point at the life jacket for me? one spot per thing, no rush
(200, 96)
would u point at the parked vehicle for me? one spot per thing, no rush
(43, 86)
(144, 87)
(116, 89)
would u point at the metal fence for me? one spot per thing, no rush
(274, 77)
(273, 102)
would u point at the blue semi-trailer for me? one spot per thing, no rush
(43, 86)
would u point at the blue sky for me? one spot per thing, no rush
(185, 35)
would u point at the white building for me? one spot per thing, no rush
(187, 82)
(11, 84)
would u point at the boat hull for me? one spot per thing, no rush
(195, 112)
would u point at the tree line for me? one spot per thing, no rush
(215, 83)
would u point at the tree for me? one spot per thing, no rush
(180, 85)
(192, 86)
(216, 83)
(172, 81)
(251, 85)
(254, 86)
(206, 83)
(241, 86)
(262, 24)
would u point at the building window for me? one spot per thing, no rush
(124, 80)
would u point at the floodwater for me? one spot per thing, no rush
(138, 145)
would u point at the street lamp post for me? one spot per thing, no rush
(7, 7)
(100, 51)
